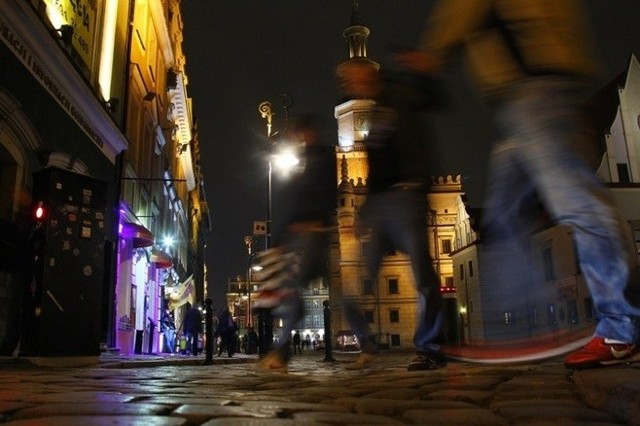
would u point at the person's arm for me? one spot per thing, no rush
(448, 26)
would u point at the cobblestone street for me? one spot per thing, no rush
(182, 391)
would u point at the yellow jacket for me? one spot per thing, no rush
(509, 40)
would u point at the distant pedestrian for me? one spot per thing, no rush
(306, 344)
(192, 329)
(168, 328)
(227, 329)
(297, 348)
(252, 341)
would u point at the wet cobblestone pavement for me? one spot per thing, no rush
(183, 391)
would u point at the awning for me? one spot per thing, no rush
(161, 259)
(140, 235)
(181, 294)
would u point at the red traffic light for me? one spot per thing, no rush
(39, 212)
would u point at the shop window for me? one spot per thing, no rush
(509, 318)
(395, 340)
(393, 285)
(394, 315)
(365, 248)
(588, 308)
(572, 311)
(623, 173)
(317, 321)
(552, 319)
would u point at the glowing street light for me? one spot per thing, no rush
(265, 322)
(286, 160)
(168, 241)
(265, 109)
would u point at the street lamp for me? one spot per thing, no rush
(265, 321)
(248, 241)
(204, 272)
(266, 111)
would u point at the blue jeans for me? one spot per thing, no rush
(539, 120)
(397, 220)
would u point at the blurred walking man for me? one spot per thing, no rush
(531, 60)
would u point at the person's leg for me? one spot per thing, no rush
(290, 307)
(505, 261)
(223, 344)
(379, 246)
(409, 235)
(231, 347)
(194, 343)
(546, 121)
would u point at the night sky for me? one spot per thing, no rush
(242, 52)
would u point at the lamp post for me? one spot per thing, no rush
(266, 111)
(204, 272)
(248, 241)
(265, 321)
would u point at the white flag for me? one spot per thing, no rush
(259, 227)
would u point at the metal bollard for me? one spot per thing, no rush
(208, 331)
(265, 331)
(328, 356)
(152, 330)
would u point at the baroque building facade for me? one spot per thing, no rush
(390, 300)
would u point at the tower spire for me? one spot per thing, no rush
(355, 16)
(356, 34)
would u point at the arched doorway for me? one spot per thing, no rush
(17, 138)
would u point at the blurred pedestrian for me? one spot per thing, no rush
(300, 251)
(168, 328)
(297, 343)
(306, 344)
(532, 61)
(227, 329)
(396, 205)
(192, 328)
(252, 341)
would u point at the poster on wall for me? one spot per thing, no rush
(80, 16)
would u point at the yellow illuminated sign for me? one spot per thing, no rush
(81, 16)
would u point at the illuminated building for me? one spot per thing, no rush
(389, 301)
(97, 88)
